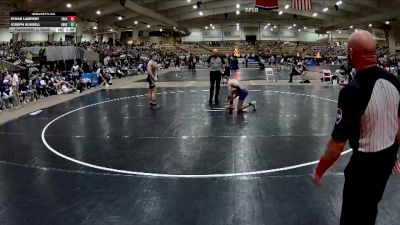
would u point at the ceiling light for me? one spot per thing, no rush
(287, 6)
(188, 0)
(148, 25)
(339, 31)
(111, 30)
(95, 28)
(269, 24)
(237, 12)
(206, 27)
(69, 5)
(294, 25)
(211, 25)
(315, 14)
(275, 27)
(305, 28)
(237, 28)
(237, 6)
(325, 9)
(280, 12)
(272, 29)
(201, 13)
(119, 17)
(328, 32)
(160, 29)
(387, 22)
(213, 28)
(174, 28)
(351, 27)
(299, 30)
(290, 27)
(135, 22)
(356, 30)
(98, 12)
(370, 25)
(237, 24)
(194, 6)
(339, 2)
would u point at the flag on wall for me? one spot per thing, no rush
(303, 5)
(267, 4)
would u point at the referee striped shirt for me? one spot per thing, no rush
(368, 111)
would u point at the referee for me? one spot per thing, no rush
(216, 65)
(367, 116)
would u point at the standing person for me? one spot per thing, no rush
(194, 61)
(85, 66)
(367, 116)
(152, 79)
(190, 62)
(15, 86)
(75, 70)
(177, 62)
(216, 64)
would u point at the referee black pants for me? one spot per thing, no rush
(215, 80)
(366, 176)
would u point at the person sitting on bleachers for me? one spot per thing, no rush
(23, 90)
(66, 88)
(6, 93)
(38, 86)
(2, 105)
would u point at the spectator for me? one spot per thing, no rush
(7, 94)
(23, 90)
(75, 72)
(66, 88)
(15, 86)
(85, 66)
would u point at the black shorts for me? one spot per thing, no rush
(152, 83)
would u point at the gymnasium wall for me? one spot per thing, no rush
(5, 35)
(37, 36)
(232, 34)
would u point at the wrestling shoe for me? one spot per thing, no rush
(156, 106)
(253, 104)
(229, 107)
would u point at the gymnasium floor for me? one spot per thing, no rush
(106, 158)
(244, 74)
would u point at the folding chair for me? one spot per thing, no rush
(327, 77)
(270, 72)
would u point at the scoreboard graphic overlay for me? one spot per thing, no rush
(43, 22)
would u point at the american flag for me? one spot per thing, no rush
(304, 5)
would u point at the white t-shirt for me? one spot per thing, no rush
(75, 70)
(64, 89)
(15, 80)
(8, 77)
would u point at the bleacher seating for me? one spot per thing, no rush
(194, 49)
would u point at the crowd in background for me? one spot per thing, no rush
(53, 78)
